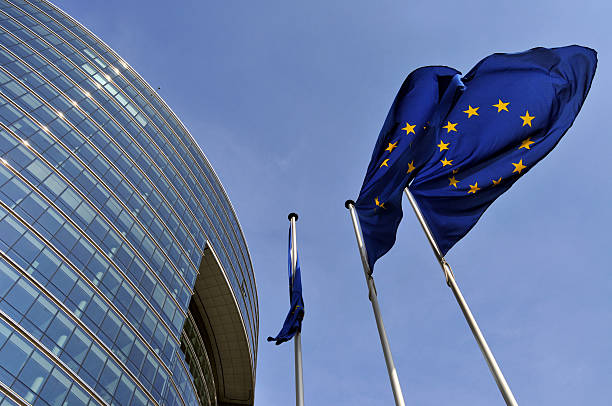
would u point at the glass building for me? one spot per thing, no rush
(125, 278)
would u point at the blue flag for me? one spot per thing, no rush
(481, 133)
(398, 152)
(293, 321)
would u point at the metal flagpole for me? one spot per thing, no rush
(297, 339)
(384, 341)
(450, 281)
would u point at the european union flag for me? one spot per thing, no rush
(472, 139)
(398, 152)
(293, 321)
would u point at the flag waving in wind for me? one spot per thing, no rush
(401, 148)
(293, 321)
(463, 142)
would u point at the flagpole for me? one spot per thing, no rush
(297, 339)
(450, 281)
(384, 341)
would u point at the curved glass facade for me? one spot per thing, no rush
(106, 207)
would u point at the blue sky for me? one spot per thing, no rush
(287, 99)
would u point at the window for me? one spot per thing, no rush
(14, 354)
(21, 296)
(94, 361)
(51, 221)
(124, 392)
(55, 389)
(8, 276)
(64, 279)
(35, 372)
(110, 377)
(111, 325)
(81, 295)
(42, 313)
(76, 397)
(78, 345)
(32, 206)
(60, 329)
(46, 263)
(96, 310)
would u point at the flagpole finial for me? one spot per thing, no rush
(292, 215)
(348, 203)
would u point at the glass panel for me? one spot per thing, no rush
(42, 313)
(35, 372)
(14, 354)
(55, 389)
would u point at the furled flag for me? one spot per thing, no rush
(293, 321)
(472, 139)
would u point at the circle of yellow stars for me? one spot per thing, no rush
(450, 127)
(472, 111)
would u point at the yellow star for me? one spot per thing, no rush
(446, 162)
(496, 182)
(410, 167)
(474, 188)
(526, 144)
(391, 146)
(518, 167)
(453, 182)
(455, 171)
(384, 163)
(527, 119)
(501, 106)
(471, 111)
(450, 127)
(379, 204)
(409, 129)
(443, 146)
